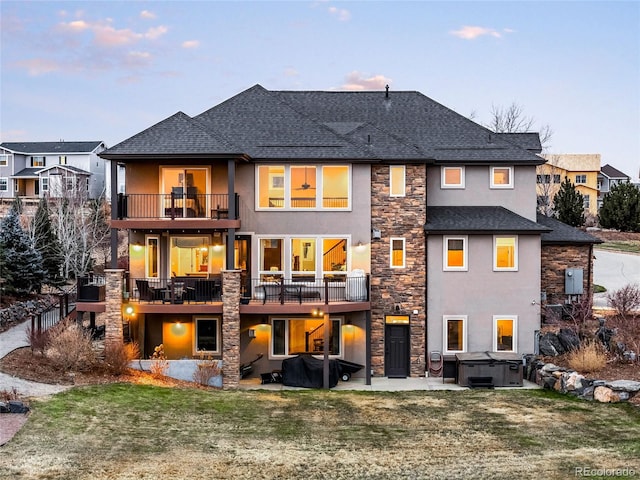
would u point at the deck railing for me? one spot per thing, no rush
(309, 290)
(170, 206)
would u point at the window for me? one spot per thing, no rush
(37, 161)
(291, 336)
(207, 335)
(543, 179)
(505, 253)
(44, 184)
(271, 258)
(452, 177)
(303, 258)
(556, 179)
(586, 201)
(152, 258)
(397, 181)
(62, 159)
(191, 254)
(501, 177)
(4, 160)
(504, 333)
(308, 187)
(455, 253)
(455, 333)
(185, 193)
(4, 184)
(397, 252)
(581, 179)
(334, 258)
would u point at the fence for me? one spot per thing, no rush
(52, 314)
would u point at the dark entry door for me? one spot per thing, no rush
(396, 355)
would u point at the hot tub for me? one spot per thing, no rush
(498, 369)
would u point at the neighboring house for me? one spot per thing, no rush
(38, 169)
(607, 178)
(581, 169)
(410, 226)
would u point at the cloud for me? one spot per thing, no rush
(343, 14)
(355, 81)
(105, 35)
(190, 44)
(469, 32)
(39, 66)
(146, 14)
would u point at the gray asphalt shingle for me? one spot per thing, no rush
(478, 220)
(561, 233)
(42, 148)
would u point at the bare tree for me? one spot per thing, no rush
(548, 181)
(512, 119)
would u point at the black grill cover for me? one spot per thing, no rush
(306, 371)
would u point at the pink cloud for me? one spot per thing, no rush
(39, 66)
(469, 32)
(190, 44)
(343, 14)
(355, 81)
(146, 14)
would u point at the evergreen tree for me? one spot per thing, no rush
(47, 243)
(568, 204)
(621, 208)
(22, 266)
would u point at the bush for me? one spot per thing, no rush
(160, 364)
(70, 348)
(117, 357)
(625, 300)
(589, 358)
(206, 369)
(39, 340)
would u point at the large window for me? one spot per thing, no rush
(185, 193)
(291, 336)
(37, 161)
(271, 258)
(397, 180)
(501, 177)
(152, 258)
(397, 248)
(455, 253)
(504, 333)
(455, 333)
(505, 253)
(452, 177)
(310, 187)
(189, 255)
(207, 335)
(303, 258)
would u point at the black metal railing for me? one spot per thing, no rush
(273, 289)
(175, 290)
(171, 206)
(61, 308)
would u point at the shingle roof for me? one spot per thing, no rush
(612, 172)
(177, 135)
(478, 220)
(366, 126)
(51, 147)
(528, 140)
(563, 234)
(28, 173)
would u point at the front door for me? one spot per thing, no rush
(396, 356)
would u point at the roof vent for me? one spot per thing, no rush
(386, 95)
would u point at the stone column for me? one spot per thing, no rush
(230, 328)
(113, 313)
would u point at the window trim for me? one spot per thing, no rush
(445, 331)
(39, 158)
(44, 184)
(582, 177)
(4, 159)
(499, 186)
(465, 253)
(445, 185)
(404, 252)
(287, 320)
(6, 184)
(218, 349)
(495, 254)
(514, 339)
(147, 238)
(397, 168)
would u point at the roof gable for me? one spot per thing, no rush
(612, 172)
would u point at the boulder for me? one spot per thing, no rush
(606, 395)
(574, 381)
(550, 346)
(568, 339)
(624, 386)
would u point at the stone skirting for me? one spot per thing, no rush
(230, 328)
(113, 312)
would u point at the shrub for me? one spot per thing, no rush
(39, 340)
(206, 369)
(9, 395)
(70, 347)
(625, 300)
(117, 357)
(589, 358)
(627, 333)
(160, 364)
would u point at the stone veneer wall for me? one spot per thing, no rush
(113, 312)
(555, 259)
(406, 287)
(230, 328)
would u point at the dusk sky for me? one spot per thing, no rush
(105, 70)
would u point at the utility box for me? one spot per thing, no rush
(505, 369)
(573, 281)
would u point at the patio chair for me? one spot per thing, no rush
(147, 292)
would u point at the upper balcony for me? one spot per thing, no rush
(160, 210)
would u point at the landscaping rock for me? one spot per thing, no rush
(568, 339)
(624, 386)
(4, 408)
(550, 346)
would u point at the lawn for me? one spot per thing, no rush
(123, 431)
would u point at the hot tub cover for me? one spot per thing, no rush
(306, 371)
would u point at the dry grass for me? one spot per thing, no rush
(589, 358)
(131, 432)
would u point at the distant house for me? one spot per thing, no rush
(32, 170)
(607, 178)
(581, 169)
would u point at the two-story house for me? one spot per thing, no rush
(607, 178)
(411, 227)
(581, 169)
(38, 169)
